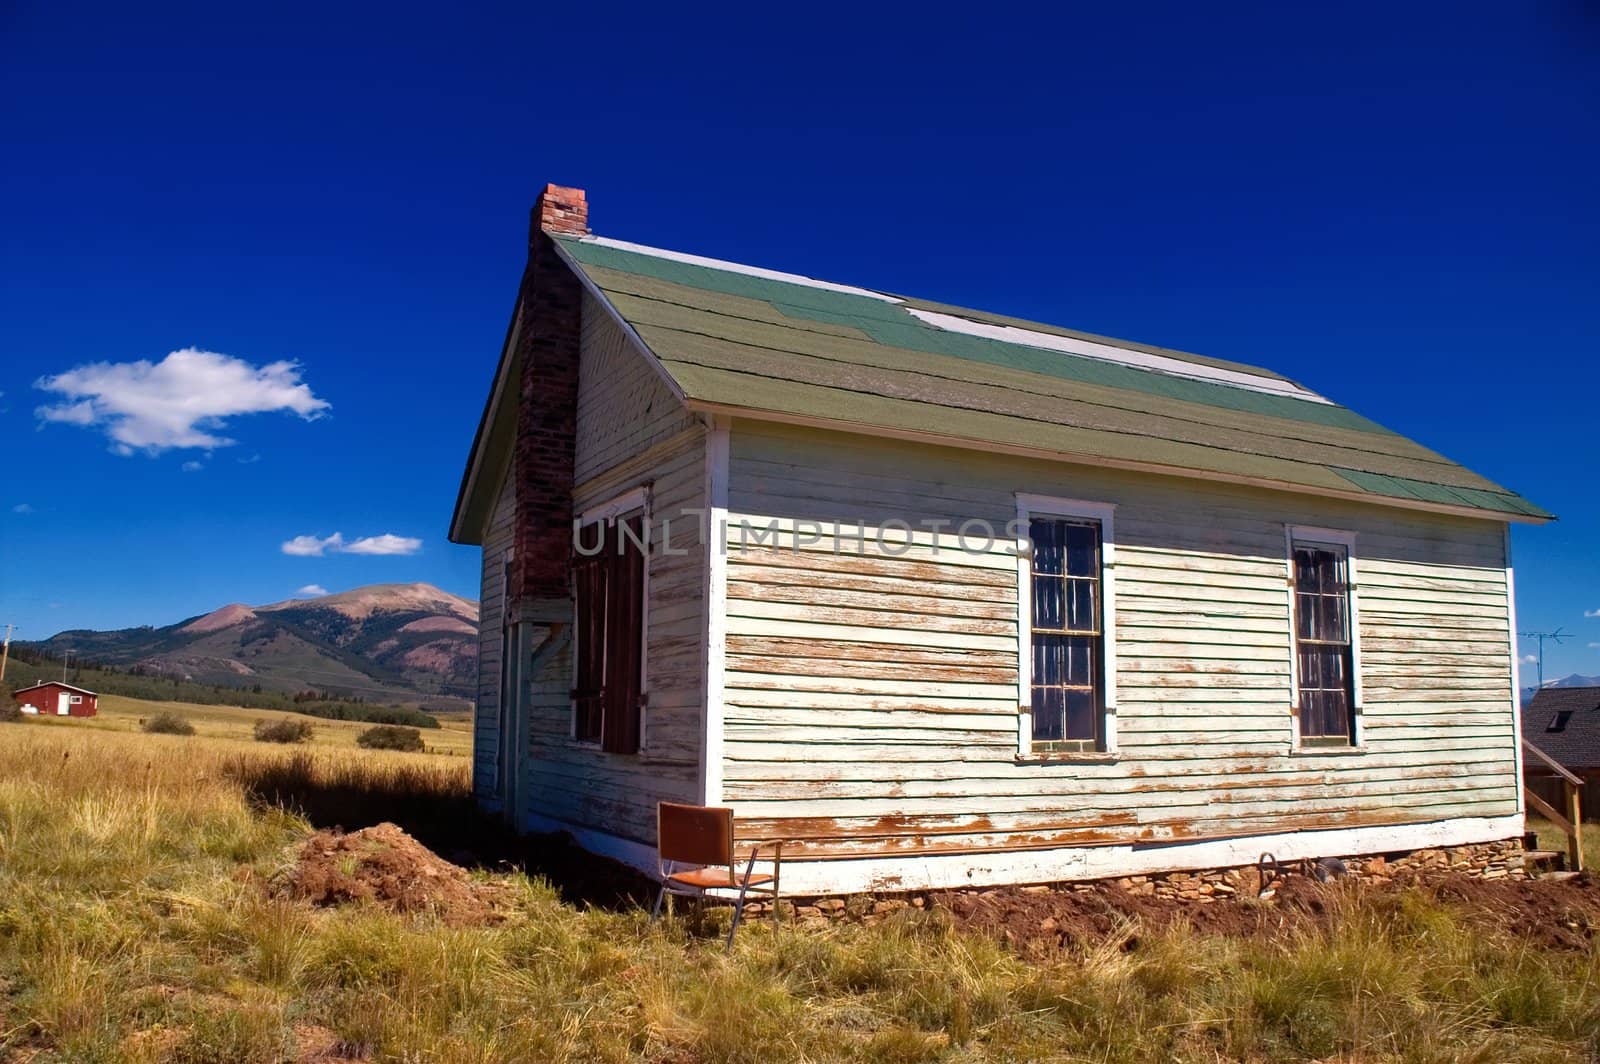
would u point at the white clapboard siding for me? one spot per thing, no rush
(491, 616)
(631, 432)
(870, 686)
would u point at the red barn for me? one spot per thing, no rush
(55, 699)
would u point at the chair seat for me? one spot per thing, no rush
(703, 878)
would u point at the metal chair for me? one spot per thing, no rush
(694, 845)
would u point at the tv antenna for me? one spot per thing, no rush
(1558, 637)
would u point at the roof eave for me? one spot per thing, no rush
(469, 495)
(757, 414)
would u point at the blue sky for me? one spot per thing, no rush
(1395, 207)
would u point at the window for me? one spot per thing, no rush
(1325, 665)
(1560, 721)
(76, 700)
(1065, 594)
(609, 587)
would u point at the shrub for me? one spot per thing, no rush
(392, 737)
(283, 731)
(167, 724)
(9, 710)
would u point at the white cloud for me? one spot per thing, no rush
(384, 544)
(314, 590)
(193, 467)
(1591, 613)
(182, 401)
(22, 508)
(1531, 659)
(311, 546)
(1594, 646)
(315, 547)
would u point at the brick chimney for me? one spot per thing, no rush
(561, 210)
(551, 305)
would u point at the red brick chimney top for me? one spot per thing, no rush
(561, 210)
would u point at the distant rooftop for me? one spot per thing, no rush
(1564, 722)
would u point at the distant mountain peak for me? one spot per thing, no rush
(228, 616)
(361, 602)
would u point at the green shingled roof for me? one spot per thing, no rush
(785, 345)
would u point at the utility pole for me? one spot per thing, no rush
(1558, 637)
(5, 652)
(66, 656)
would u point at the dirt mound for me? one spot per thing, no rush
(1548, 914)
(383, 865)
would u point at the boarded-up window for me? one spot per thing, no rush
(1067, 636)
(608, 583)
(1323, 648)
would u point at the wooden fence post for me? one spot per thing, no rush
(1575, 818)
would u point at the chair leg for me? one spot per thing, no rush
(738, 914)
(738, 906)
(655, 913)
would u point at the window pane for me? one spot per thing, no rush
(1083, 550)
(1047, 601)
(1081, 614)
(1334, 619)
(1305, 616)
(1335, 716)
(1311, 707)
(1305, 570)
(1048, 547)
(1080, 660)
(1048, 710)
(1310, 669)
(1080, 715)
(1050, 660)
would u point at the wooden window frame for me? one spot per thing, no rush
(1313, 536)
(1028, 507)
(635, 501)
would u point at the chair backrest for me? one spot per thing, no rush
(695, 834)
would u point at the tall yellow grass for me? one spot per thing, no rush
(135, 925)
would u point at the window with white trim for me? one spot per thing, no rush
(1066, 665)
(1325, 656)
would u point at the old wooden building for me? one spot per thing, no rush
(945, 597)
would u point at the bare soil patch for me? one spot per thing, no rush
(1547, 914)
(383, 865)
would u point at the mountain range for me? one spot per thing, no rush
(383, 642)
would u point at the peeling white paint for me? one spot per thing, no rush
(957, 871)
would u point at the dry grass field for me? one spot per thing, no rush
(453, 737)
(142, 919)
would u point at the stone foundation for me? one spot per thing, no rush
(1489, 860)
